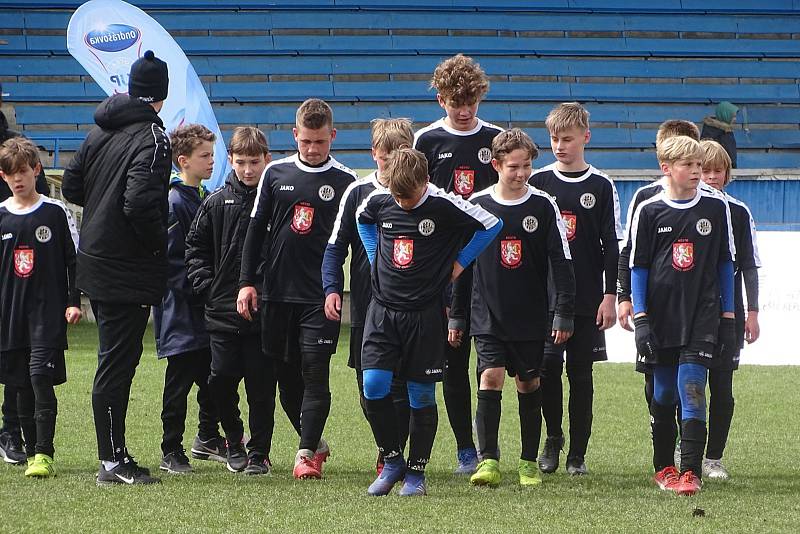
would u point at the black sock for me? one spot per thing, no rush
(457, 393)
(423, 431)
(648, 389)
(316, 398)
(361, 398)
(693, 442)
(552, 399)
(720, 412)
(581, 394)
(530, 423)
(26, 402)
(46, 408)
(10, 417)
(487, 421)
(665, 432)
(402, 410)
(290, 390)
(380, 414)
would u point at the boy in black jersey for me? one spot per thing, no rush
(682, 294)
(414, 235)
(293, 216)
(509, 304)
(589, 205)
(181, 336)
(38, 298)
(717, 173)
(459, 154)
(387, 136)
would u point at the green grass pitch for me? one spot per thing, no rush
(762, 456)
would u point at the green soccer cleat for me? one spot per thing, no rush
(487, 474)
(42, 467)
(529, 473)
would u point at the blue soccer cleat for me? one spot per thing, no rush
(394, 469)
(467, 461)
(414, 485)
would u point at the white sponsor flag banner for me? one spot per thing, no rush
(779, 299)
(107, 36)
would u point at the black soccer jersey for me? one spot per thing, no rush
(744, 236)
(416, 248)
(297, 205)
(37, 265)
(345, 234)
(589, 206)
(459, 162)
(510, 277)
(682, 245)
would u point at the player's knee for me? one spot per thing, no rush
(551, 369)
(692, 389)
(528, 386)
(492, 379)
(421, 395)
(579, 372)
(377, 383)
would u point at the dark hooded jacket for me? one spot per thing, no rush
(120, 176)
(41, 180)
(214, 254)
(722, 133)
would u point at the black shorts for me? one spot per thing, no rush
(18, 366)
(521, 358)
(587, 343)
(700, 352)
(230, 351)
(288, 329)
(410, 343)
(356, 340)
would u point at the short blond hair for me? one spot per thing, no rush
(391, 134)
(673, 127)
(508, 141)
(460, 81)
(314, 113)
(248, 141)
(16, 152)
(716, 157)
(677, 148)
(565, 116)
(405, 172)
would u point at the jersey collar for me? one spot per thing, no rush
(303, 167)
(453, 131)
(681, 205)
(517, 202)
(24, 211)
(591, 170)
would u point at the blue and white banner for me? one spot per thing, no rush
(107, 36)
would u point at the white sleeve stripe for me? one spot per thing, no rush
(337, 224)
(629, 215)
(73, 230)
(473, 210)
(615, 196)
(364, 203)
(432, 126)
(635, 225)
(731, 243)
(562, 227)
(752, 223)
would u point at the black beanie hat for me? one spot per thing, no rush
(149, 79)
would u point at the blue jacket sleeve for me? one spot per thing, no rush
(480, 240)
(725, 270)
(639, 276)
(369, 236)
(332, 275)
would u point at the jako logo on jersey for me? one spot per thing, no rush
(113, 38)
(403, 252)
(426, 227)
(683, 255)
(588, 201)
(326, 193)
(464, 181)
(530, 224)
(445, 155)
(43, 234)
(23, 261)
(664, 229)
(303, 218)
(386, 225)
(703, 227)
(286, 188)
(571, 222)
(485, 155)
(433, 371)
(229, 201)
(511, 253)
(7, 236)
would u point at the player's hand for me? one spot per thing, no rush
(726, 337)
(457, 270)
(606, 314)
(645, 343)
(454, 337)
(333, 307)
(625, 315)
(752, 330)
(560, 336)
(246, 301)
(73, 315)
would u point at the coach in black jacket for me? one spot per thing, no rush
(120, 176)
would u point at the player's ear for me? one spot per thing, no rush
(496, 165)
(333, 134)
(294, 132)
(665, 168)
(441, 100)
(267, 158)
(37, 169)
(182, 161)
(587, 136)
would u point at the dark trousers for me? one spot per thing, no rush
(457, 393)
(37, 407)
(120, 328)
(184, 370)
(10, 416)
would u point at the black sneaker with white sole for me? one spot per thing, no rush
(176, 463)
(237, 457)
(258, 466)
(577, 466)
(214, 449)
(548, 460)
(126, 472)
(11, 448)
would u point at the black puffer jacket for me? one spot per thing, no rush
(214, 254)
(120, 176)
(722, 133)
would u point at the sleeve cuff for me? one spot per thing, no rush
(457, 324)
(564, 324)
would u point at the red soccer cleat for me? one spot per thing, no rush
(667, 479)
(305, 468)
(688, 484)
(321, 456)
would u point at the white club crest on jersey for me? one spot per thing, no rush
(426, 227)
(530, 224)
(43, 234)
(485, 155)
(703, 227)
(588, 200)
(326, 193)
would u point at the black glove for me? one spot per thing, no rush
(726, 338)
(645, 344)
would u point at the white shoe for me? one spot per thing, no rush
(714, 469)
